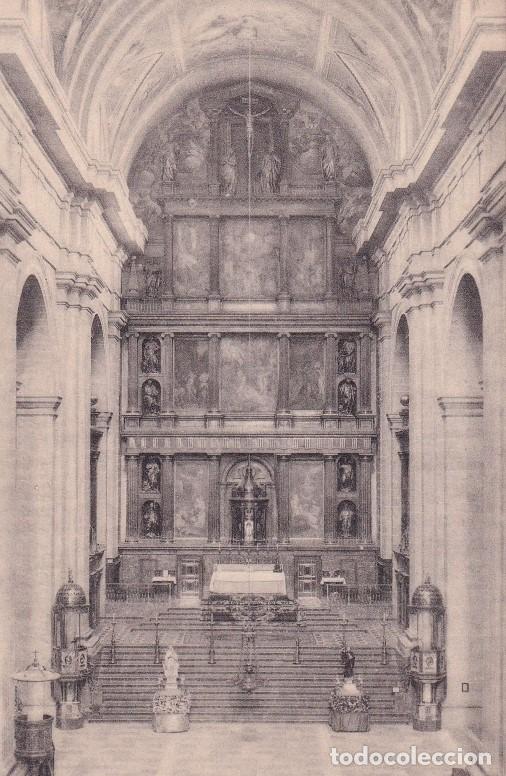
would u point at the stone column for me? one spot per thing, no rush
(167, 498)
(284, 248)
(330, 291)
(465, 598)
(213, 517)
(214, 373)
(330, 496)
(364, 497)
(284, 184)
(35, 543)
(330, 373)
(214, 159)
(117, 321)
(132, 469)
(168, 260)
(214, 297)
(365, 373)
(283, 498)
(94, 456)
(283, 408)
(382, 323)
(133, 372)
(167, 376)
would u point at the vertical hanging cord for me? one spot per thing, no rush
(249, 139)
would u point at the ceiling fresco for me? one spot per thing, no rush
(117, 59)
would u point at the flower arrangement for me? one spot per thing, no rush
(348, 703)
(172, 704)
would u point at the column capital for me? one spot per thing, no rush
(330, 456)
(38, 405)
(284, 334)
(461, 406)
(117, 320)
(214, 335)
(129, 454)
(366, 457)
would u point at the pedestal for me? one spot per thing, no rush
(165, 722)
(349, 722)
(34, 747)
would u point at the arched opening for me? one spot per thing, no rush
(467, 574)
(99, 418)
(35, 415)
(400, 495)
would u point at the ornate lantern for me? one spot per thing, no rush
(32, 727)
(70, 658)
(428, 664)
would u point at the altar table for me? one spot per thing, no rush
(244, 579)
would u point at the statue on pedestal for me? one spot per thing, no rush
(171, 702)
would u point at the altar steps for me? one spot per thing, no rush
(288, 692)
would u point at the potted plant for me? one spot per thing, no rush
(349, 708)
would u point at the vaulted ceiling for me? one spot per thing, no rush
(370, 64)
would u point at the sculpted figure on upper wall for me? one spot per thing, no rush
(175, 151)
(287, 145)
(346, 356)
(151, 355)
(347, 397)
(151, 397)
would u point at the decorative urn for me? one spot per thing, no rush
(171, 702)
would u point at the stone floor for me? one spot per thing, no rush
(235, 750)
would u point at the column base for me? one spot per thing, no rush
(284, 300)
(167, 302)
(329, 419)
(214, 419)
(214, 303)
(283, 419)
(169, 418)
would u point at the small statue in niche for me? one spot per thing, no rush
(328, 159)
(169, 163)
(346, 280)
(347, 519)
(346, 474)
(347, 397)
(229, 173)
(249, 525)
(346, 356)
(270, 170)
(150, 355)
(151, 475)
(151, 520)
(151, 397)
(153, 280)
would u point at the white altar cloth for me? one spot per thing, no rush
(245, 578)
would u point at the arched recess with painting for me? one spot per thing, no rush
(399, 423)
(99, 425)
(36, 409)
(464, 459)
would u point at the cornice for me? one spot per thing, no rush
(33, 82)
(486, 218)
(117, 320)
(480, 59)
(461, 406)
(75, 284)
(38, 405)
(421, 285)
